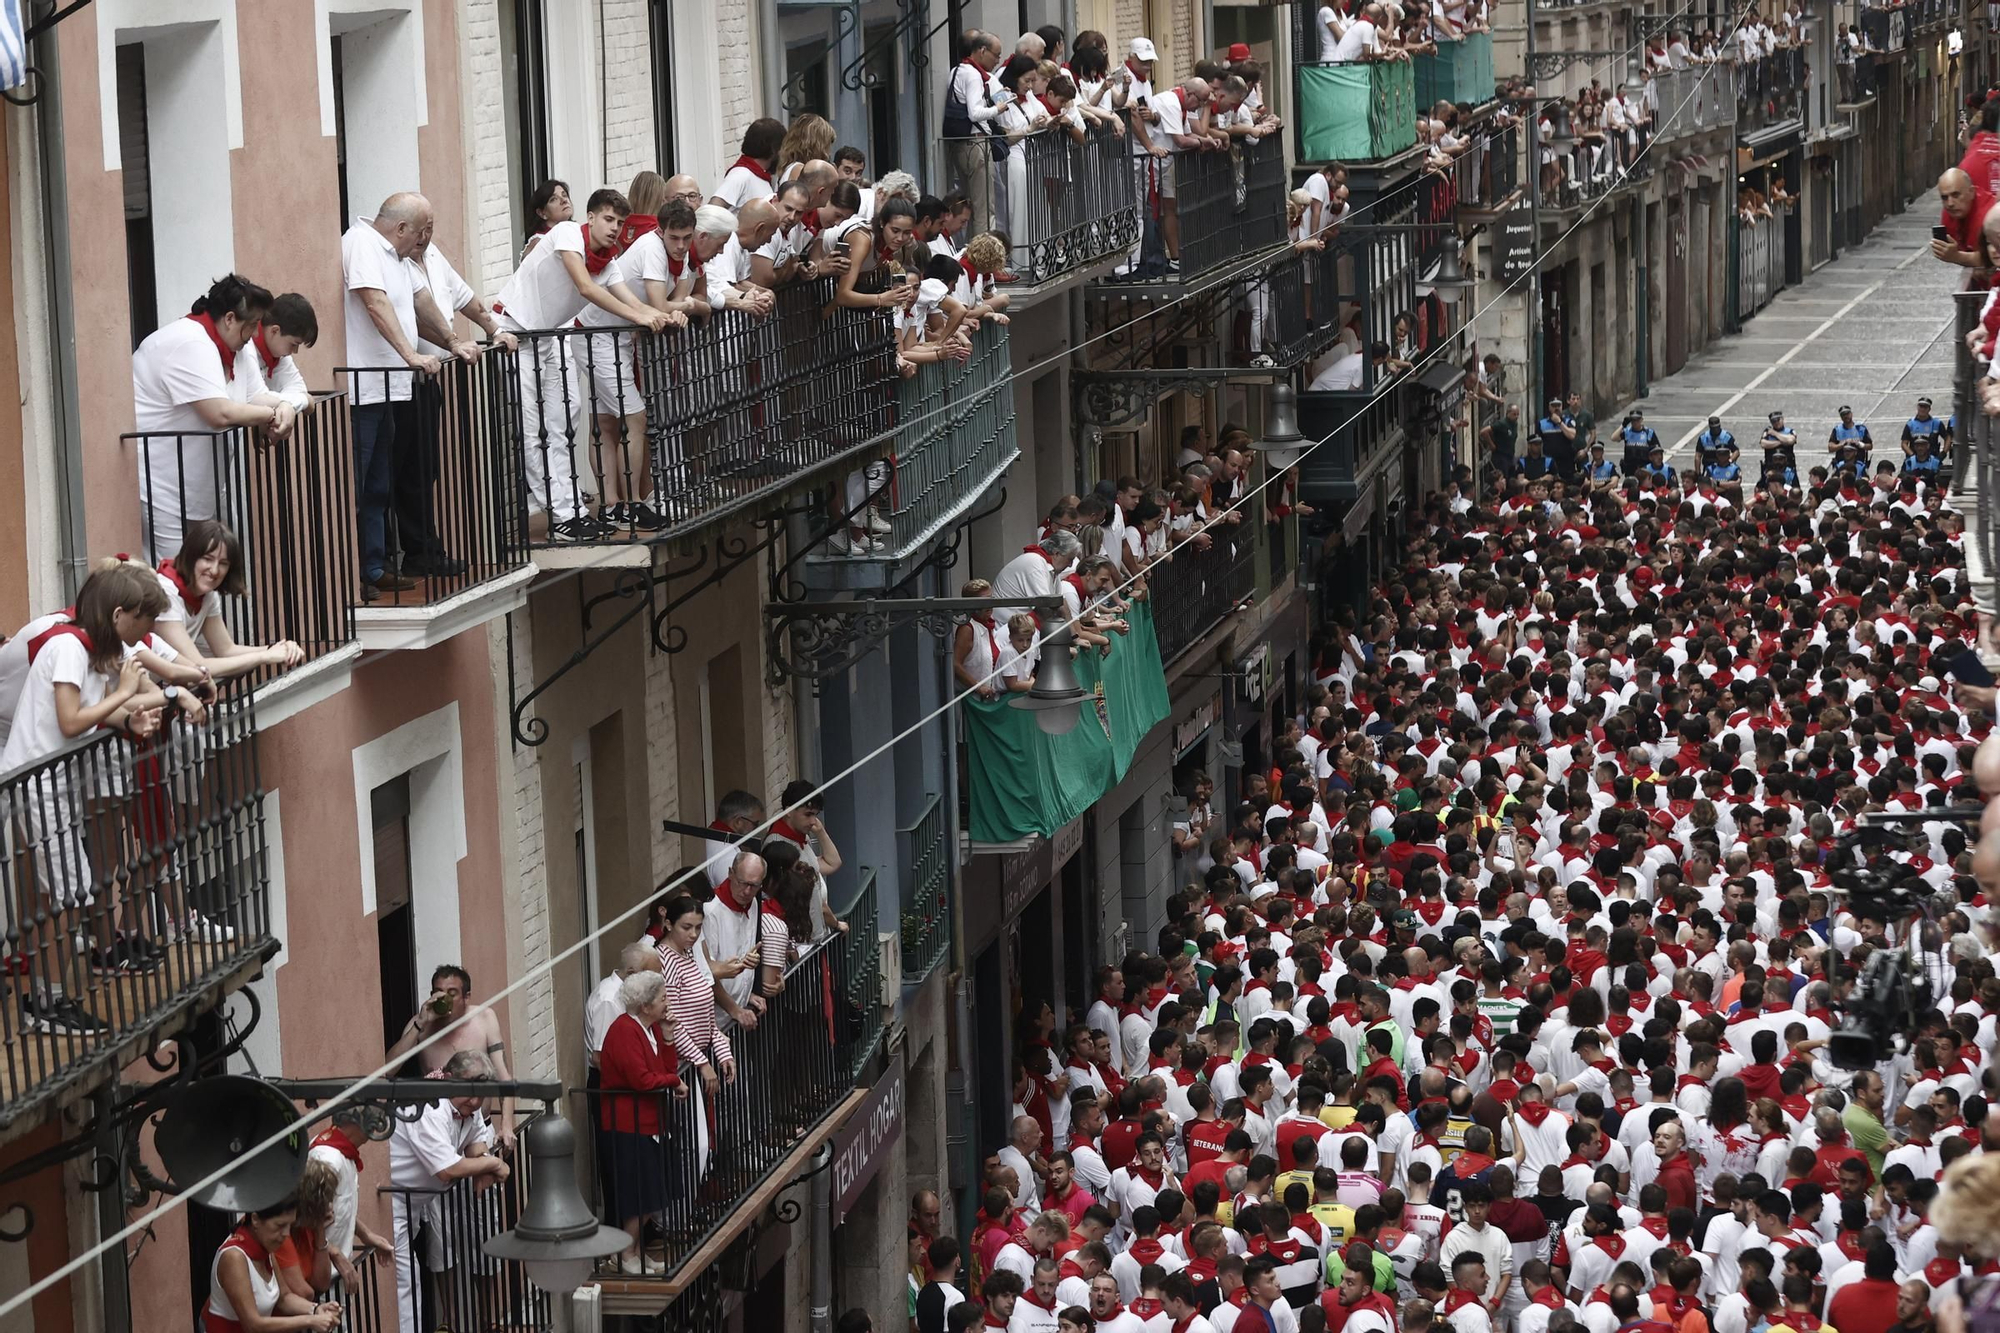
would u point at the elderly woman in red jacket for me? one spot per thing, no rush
(637, 1069)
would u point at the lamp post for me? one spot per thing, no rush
(558, 1240)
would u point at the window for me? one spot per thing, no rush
(378, 101)
(521, 44)
(395, 917)
(139, 276)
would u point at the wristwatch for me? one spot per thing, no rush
(171, 693)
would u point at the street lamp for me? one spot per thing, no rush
(1280, 445)
(558, 1240)
(1057, 700)
(1451, 275)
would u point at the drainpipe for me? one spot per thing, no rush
(1642, 354)
(1531, 293)
(74, 548)
(821, 1277)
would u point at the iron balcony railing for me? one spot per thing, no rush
(135, 888)
(1193, 590)
(1231, 204)
(1287, 310)
(1065, 204)
(1594, 166)
(1690, 100)
(1489, 170)
(926, 908)
(710, 1154)
(449, 518)
(695, 424)
(290, 504)
(1770, 89)
(1760, 263)
(954, 434)
(1374, 271)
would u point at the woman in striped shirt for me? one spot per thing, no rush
(700, 1042)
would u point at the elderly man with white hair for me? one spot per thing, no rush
(1036, 571)
(729, 939)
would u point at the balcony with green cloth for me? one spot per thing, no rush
(1360, 112)
(1024, 782)
(1460, 71)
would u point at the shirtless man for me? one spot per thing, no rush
(451, 986)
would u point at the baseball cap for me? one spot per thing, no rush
(1405, 919)
(1845, 409)
(1923, 402)
(1142, 49)
(1239, 51)
(1777, 416)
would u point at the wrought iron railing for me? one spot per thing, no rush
(1068, 204)
(1489, 170)
(1699, 97)
(290, 504)
(729, 409)
(1770, 89)
(447, 514)
(689, 1163)
(1196, 588)
(1232, 204)
(1289, 307)
(1760, 263)
(1593, 166)
(1374, 273)
(926, 914)
(954, 434)
(443, 1278)
(135, 883)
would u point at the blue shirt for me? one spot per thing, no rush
(1915, 464)
(1724, 471)
(1915, 427)
(1856, 432)
(1708, 442)
(1664, 472)
(1604, 470)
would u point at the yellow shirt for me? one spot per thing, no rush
(1337, 1218)
(1287, 1179)
(1336, 1117)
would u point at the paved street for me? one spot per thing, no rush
(1871, 330)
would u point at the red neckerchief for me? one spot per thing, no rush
(1456, 1299)
(1549, 1299)
(783, 829)
(207, 323)
(172, 574)
(1612, 1244)
(1145, 1250)
(1036, 550)
(41, 641)
(753, 166)
(596, 261)
(987, 1320)
(728, 899)
(1656, 1227)
(1534, 1112)
(338, 1141)
(634, 226)
(252, 1248)
(1029, 1297)
(264, 352)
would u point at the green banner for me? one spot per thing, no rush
(1026, 782)
(1460, 71)
(1357, 112)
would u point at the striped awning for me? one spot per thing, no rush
(13, 45)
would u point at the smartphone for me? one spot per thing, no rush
(1940, 233)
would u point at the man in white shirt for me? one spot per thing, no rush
(1034, 573)
(548, 291)
(185, 386)
(1176, 130)
(1332, 27)
(419, 433)
(969, 110)
(601, 1010)
(1362, 40)
(731, 273)
(338, 1148)
(266, 359)
(449, 1142)
(387, 302)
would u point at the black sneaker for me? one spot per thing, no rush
(110, 960)
(437, 566)
(59, 1016)
(645, 518)
(582, 528)
(140, 954)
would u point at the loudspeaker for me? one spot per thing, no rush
(213, 1124)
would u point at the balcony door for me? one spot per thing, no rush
(395, 917)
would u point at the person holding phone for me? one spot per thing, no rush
(1955, 239)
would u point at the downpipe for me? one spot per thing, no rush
(820, 1278)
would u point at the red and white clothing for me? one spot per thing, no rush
(745, 181)
(180, 364)
(690, 986)
(219, 1316)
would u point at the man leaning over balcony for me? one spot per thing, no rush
(386, 303)
(449, 1142)
(731, 274)
(1175, 132)
(420, 426)
(547, 292)
(969, 115)
(1363, 41)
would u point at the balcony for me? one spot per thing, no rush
(1928, 17)
(1695, 99)
(926, 908)
(1459, 72)
(1887, 28)
(1363, 437)
(1771, 91)
(1358, 112)
(1196, 589)
(1760, 263)
(1486, 178)
(954, 437)
(1232, 205)
(1374, 272)
(716, 1166)
(736, 412)
(1591, 167)
(134, 837)
(1022, 783)
(1078, 205)
(290, 505)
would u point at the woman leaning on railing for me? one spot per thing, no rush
(867, 248)
(208, 567)
(637, 1071)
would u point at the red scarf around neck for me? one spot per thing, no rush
(754, 167)
(341, 1144)
(635, 226)
(207, 323)
(269, 358)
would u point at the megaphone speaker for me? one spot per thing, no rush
(214, 1124)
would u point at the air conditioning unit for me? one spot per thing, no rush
(889, 949)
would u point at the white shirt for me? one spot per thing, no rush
(421, 1148)
(1029, 574)
(1344, 374)
(741, 185)
(284, 380)
(369, 263)
(1361, 40)
(1329, 32)
(346, 1196)
(600, 1011)
(541, 294)
(36, 733)
(451, 292)
(727, 933)
(729, 270)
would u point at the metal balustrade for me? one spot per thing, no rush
(1193, 590)
(1760, 263)
(136, 890)
(926, 907)
(1077, 203)
(1232, 204)
(1697, 98)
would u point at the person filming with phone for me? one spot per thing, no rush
(1955, 239)
(441, 1011)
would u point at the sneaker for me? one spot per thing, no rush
(1173, 268)
(137, 953)
(849, 542)
(109, 961)
(145, 947)
(437, 566)
(1262, 361)
(582, 528)
(877, 525)
(58, 1015)
(644, 518)
(204, 931)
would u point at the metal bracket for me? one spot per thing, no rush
(34, 81)
(820, 640)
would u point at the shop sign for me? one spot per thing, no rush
(1193, 728)
(866, 1141)
(1514, 245)
(1255, 670)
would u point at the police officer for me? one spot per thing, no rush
(1922, 426)
(1780, 452)
(1847, 430)
(1558, 434)
(1657, 471)
(1712, 441)
(1639, 442)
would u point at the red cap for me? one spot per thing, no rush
(1239, 51)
